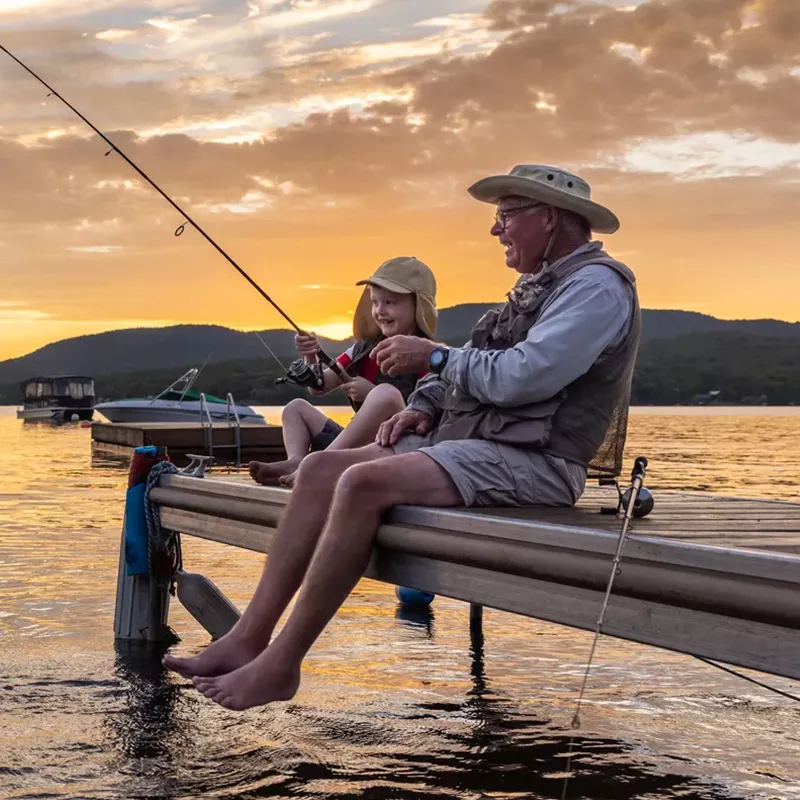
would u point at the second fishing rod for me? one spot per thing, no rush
(299, 373)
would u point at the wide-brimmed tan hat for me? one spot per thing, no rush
(549, 185)
(404, 275)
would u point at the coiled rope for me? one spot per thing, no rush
(163, 545)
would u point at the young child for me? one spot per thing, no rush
(398, 299)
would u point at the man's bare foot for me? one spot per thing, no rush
(288, 480)
(265, 679)
(223, 656)
(269, 474)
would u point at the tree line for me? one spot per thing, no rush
(742, 368)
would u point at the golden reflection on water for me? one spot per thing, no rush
(388, 695)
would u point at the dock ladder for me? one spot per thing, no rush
(233, 422)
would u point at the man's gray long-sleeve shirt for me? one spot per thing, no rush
(584, 317)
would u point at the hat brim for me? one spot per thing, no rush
(390, 286)
(491, 189)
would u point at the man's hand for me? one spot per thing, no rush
(357, 389)
(403, 355)
(390, 431)
(307, 345)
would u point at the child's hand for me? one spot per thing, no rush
(358, 389)
(307, 345)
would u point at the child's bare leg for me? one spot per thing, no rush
(301, 423)
(381, 403)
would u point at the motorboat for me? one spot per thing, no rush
(57, 398)
(179, 402)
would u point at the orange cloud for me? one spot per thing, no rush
(682, 114)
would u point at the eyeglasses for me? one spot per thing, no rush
(501, 217)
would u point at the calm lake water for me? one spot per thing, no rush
(393, 705)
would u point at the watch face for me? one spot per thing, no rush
(437, 358)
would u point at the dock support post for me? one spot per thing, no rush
(475, 618)
(476, 649)
(142, 602)
(142, 605)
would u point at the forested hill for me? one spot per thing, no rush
(683, 354)
(155, 349)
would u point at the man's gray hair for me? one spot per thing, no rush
(575, 225)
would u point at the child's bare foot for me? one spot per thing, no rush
(225, 655)
(265, 679)
(269, 474)
(288, 480)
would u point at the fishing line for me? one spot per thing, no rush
(188, 220)
(271, 352)
(773, 689)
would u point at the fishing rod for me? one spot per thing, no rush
(629, 501)
(300, 373)
(637, 479)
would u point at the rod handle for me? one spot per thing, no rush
(639, 468)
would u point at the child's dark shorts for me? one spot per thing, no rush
(324, 439)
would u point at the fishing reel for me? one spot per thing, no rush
(644, 502)
(309, 376)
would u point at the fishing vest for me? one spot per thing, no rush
(586, 422)
(405, 384)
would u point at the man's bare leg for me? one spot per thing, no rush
(301, 423)
(362, 494)
(383, 402)
(292, 549)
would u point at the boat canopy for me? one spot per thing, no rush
(76, 387)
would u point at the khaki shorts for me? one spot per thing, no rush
(491, 474)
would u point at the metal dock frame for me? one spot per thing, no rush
(233, 421)
(738, 606)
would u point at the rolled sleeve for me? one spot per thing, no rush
(584, 317)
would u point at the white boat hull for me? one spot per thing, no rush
(132, 411)
(37, 414)
(52, 414)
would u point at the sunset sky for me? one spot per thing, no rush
(315, 138)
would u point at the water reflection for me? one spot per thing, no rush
(145, 732)
(395, 703)
(421, 617)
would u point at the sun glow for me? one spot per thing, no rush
(334, 330)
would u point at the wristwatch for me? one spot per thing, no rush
(437, 360)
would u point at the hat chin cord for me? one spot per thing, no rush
(544, 261)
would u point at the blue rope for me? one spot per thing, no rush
(158, 540)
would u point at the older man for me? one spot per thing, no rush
(538, 397)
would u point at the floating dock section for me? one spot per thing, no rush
(257, 442)
(714, 577)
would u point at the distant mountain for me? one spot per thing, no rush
(141, 350)
(144, 349)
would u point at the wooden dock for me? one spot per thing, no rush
(258, 442)
(711, 576)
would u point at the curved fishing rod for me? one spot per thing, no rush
(327, 360)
